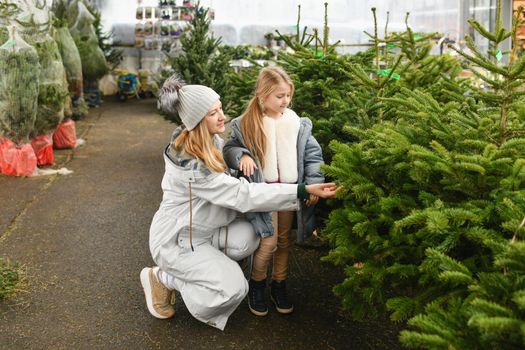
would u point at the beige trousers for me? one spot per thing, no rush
(276, 246)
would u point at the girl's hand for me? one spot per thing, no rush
(247, 165)
(326, 190)
(312, 201)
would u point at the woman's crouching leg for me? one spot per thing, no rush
(238, 241)
(213, 287)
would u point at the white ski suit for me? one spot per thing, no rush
(211, 284)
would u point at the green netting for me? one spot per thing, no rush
(93, 60)
(67, 112)
(51, 89)
(34, 14)
(79, 108)
(72, 12)
(71, 58)
(91, 55)
(19, 80)
(8, 8)
(35, 29)
(7, 13)
(3, 34)
(68, 108)
(81, 25)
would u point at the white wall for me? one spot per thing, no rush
(245, 21)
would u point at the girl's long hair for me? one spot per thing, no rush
(252, 127)
(199, 143)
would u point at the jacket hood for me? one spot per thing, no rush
(185, 161)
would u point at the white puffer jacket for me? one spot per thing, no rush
(216, 198)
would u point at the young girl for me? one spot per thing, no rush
(195, 236)
(270, 143)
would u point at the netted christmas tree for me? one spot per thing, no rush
(19, 82)
(19, 74)
(72, 61)
(83, 31)
(441, 175)
(67, 47)
(35, 26)
(112, 54)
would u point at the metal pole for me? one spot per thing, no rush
(464, 15)
(506, 19)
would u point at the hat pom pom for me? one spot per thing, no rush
(169, 94)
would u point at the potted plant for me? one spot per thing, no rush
(269, 39)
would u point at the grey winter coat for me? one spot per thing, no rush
(309, 160)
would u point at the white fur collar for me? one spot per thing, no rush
(281, 147)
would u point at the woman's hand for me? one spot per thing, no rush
(247, 165)
(312, 201)
(326, 190)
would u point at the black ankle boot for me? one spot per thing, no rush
(280, 298)
(257, 298)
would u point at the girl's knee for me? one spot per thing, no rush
(268, 244)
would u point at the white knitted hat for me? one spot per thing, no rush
(190, 102)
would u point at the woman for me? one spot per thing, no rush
(197, 217)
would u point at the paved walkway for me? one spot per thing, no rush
(83, 239)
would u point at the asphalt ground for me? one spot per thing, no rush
(82, 240)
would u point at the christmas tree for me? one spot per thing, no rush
(431, 194)
(201, 60)
(241, 89)
(491, 316)
(489, 313)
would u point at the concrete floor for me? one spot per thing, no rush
(83, 239)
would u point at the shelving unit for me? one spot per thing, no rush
(158, 29)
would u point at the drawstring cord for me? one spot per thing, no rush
(226, 243)
(191, 221)
(225, 240)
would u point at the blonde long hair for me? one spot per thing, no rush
(199, 143)
(252, 127)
